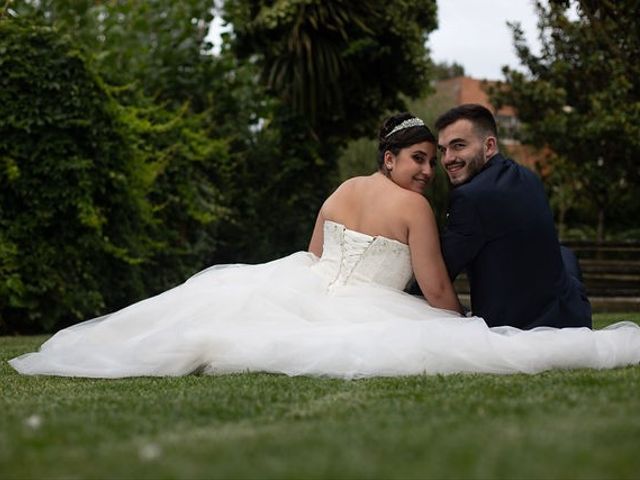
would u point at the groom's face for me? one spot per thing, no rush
(462, 151)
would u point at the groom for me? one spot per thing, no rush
(500, 231)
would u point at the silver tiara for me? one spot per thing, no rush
(408, 123)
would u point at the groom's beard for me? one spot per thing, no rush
(470, 170)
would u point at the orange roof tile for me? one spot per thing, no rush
(471, 90)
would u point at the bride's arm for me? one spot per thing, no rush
(317, 237)
(426, 257)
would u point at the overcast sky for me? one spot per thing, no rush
(474, 33)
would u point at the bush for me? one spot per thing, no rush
(94, 196)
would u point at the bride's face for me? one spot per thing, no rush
(413, 167)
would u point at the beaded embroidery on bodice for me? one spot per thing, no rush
(350, 258)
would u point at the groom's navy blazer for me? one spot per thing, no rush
(500, 231)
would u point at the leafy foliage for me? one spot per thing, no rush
(202, 158)
(580, 96)
(189, 196)
(445, 70)
(159, 46)
(100, 204)
(73, 194)
(340, 64)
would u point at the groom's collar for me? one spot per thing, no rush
(497, 158)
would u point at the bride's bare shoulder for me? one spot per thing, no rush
(348, 187)
(353, 182)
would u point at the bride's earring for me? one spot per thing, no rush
(388, 163)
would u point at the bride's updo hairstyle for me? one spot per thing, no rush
(394, 135)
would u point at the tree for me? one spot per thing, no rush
(334, 70)
(340, 64)
(580, 96)
(100, 203)
(157, 56)
(282, 152)
(73, 212)
(159, 46)
(444, 70)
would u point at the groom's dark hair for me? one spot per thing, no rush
(480, 116)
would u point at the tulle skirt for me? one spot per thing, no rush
(282, 317)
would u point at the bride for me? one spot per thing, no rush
(338, 310)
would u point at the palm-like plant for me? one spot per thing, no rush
(308, 39)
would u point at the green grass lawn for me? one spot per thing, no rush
(560, 424)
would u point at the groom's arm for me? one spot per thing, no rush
(463, 236)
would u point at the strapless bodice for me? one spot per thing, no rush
(350, 258)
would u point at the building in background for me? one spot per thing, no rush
(462, 89)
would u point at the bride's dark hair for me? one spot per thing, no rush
(394, 142)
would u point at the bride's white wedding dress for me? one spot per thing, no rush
(343, 315)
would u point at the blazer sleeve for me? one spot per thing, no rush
(463, 237)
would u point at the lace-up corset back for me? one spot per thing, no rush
(350, 258)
